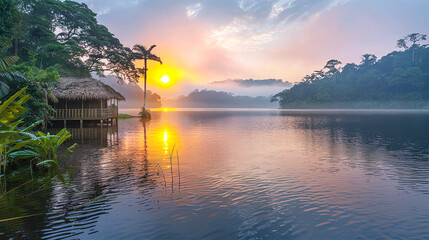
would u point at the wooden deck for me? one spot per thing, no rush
(85, 114)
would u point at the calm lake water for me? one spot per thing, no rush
(244, 174)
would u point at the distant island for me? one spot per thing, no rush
(398, 80)
(218, 99)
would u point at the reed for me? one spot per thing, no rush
(20, 217)
(178, 167)
(171, 167)
(159, 166)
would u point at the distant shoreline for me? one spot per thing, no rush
(134, 111)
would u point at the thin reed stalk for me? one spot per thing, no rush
(13, 189)
(178, 167)
(165, 182)
(14, 218)
(171, 167)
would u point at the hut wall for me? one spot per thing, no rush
(77, 104)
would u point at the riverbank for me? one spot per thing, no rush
(125, 116)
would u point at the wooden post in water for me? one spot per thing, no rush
(65, 115)
(101, 112)
(81, 115)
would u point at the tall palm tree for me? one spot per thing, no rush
(141, 52)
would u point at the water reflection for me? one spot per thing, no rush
(243, 175)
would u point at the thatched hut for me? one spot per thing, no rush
(86, 99)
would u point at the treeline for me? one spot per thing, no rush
(398, 80)
(217, 99)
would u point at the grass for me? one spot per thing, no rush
(125, 116)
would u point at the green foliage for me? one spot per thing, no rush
(39, 83)
(9, 23)
(67, 33)
(397, 80)
(413, 38)
(125, 116)
(145, 113)
(10, 135)
(45, 147)
(7, 62)
(19, 143)
(15, 77)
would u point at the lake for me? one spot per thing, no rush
(241, 174)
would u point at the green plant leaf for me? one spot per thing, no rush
(24, 154)
(7, 62)
(46, 163)
(72, 147)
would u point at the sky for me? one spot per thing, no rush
(201, 41)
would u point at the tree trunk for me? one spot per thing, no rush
(145, 75)
(16, 47)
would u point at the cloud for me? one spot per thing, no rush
(261, 22)
(192, 10)
(214, 40)
(103, 7)
(252, 83)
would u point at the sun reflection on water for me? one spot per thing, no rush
(165, 142)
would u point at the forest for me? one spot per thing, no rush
(398, 80)
(41, 41)
(55, 39)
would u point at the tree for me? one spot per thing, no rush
(414, 38)
(368, 59)
(319, 74)
(5, 74)
(67, 33)
(331, 66)
(141, 52)
(394, 81)
(9, 23)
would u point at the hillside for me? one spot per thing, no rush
(218, 99)
(398, 80)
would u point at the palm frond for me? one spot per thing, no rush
(7, 62)
(150, 49)
(140, 49)
(4, 89)
(10, 76)
(52, 97)
(154, 58)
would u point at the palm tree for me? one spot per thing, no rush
(141, 52)
(5, 64)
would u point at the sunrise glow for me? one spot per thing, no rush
(165, 79)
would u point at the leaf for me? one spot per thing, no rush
(46, 163)
(4, 88)
(32, 126)
(7, 62)
(21, 144)
(24, 154)
(72, 147)
(8, 102)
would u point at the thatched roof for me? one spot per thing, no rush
(85, 88)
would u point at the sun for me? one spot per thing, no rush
(165, 79)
